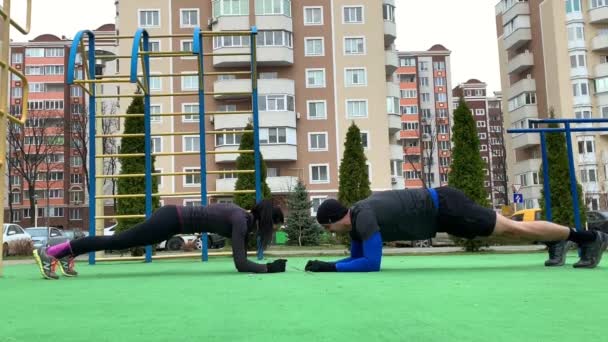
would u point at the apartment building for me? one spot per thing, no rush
(426, 107)
(321, 64)
(487, 113)
(554, 59)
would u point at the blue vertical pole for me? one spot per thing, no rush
(546, 186)
(256, 127)
(573, 184)
(201, 125)
(92, 132)
(148, 139)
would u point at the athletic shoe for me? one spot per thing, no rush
(66, 265)
(591, 252)
(557, 253)
(46, 263)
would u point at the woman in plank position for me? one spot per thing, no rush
(227, 220)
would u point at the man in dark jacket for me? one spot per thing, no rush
(417, 214)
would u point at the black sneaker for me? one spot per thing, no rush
(46, 263)
(592, 251)
(557, 253)
(66, 266)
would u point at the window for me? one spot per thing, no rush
(273, 135)
(392, 105)
(75, 91)
(156, 145)
(423, 66)
(409, 109)
(34, 70)
(604, 112)
(15, 180)
(440, 81)
(319, 174)
(484, 148)
(186, 45)
(589, 175)
(230, 7)
(586, 146)
(578, 60)
(194, 179)
(275, 38)
(482, 136)
(388, 12)
(522, 100)
(231, 41)
(190, 108)
(365, 140)
(407, 62)
(314, 47)
(317, 109)
(16, 216)
(315, 78)
(520, 21)
(355, 77)
(158, 178)
(155, 109)
(441, 97)
(155, 83)
(317, 141)
(594, 3)
(54, 70)
(189, 17)
(407, 78)
(601, 85)
(583, 114)
(276, 103)
(480, 112)
(575, 5)
(576, 32)
(75, 214)
(410, 94)
(581, 87)
(149, 18)
(354, 46)
(17, 92)
(410, 126)
(54, 52)
(56, 212)
(192, 144)
(34, 52)
(444, 145)
(17, 58)
(228, 139)
(397, 168)
(226, 108)
(15, 196)
(316, 203)
(313, 15)
(413, 175)
(442, 129)
(353, 15)
(75, 161)
(424, 81)
(76, 178)
(439, 65)
(189, 82)
(269, 75)
(481, 124)
(55, 193)
(273, 7)
(356, 108)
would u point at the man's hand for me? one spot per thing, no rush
(320, 266)
(276, 266)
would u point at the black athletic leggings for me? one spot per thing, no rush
(163, 224)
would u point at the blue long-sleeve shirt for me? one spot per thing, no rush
(366, 238)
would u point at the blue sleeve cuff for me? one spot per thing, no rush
(370, 259)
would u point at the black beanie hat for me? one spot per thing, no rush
(330, 211)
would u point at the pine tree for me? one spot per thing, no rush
(559, 182)
(302, 229)
(134, 206)
(246, 181)
(467, 170)
(354, 182)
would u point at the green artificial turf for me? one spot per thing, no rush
(487, 297)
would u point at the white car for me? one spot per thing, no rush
(12, 233)
(177, 242)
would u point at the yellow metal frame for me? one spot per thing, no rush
(5, 69)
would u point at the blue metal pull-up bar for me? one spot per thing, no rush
(543, 144)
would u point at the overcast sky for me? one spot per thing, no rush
(420, 24)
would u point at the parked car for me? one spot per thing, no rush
(109, 231)
(46, 236)
(177, 242)
(527, 215)
(74, 234)
(11, 234)
(598, 220)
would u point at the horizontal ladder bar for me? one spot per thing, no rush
(107, 80)
(166, 134)
(176, 194)
(169, 154)
(226, 54)
(117, 116)
(119, 217)
(167, 54)
(139, 175)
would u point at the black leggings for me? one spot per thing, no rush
(163, 224)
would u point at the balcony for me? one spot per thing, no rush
(600, 43)
(527, 165)
(409, 134)
(587, 158)
(518, 38)
(275, 56)
(277, 118)
(391, 61)
(394, 123)
(276, 184)
(520, 63)
(521, 86)
(524, 112)
(598, 15)
(601, 70)
(274, 22)
(396, 152)
(279, 152)
(525, 140)
(221, 122)
(520, 8)
(231, 23)
(412, 151)
(232, 86)
(393, 89)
